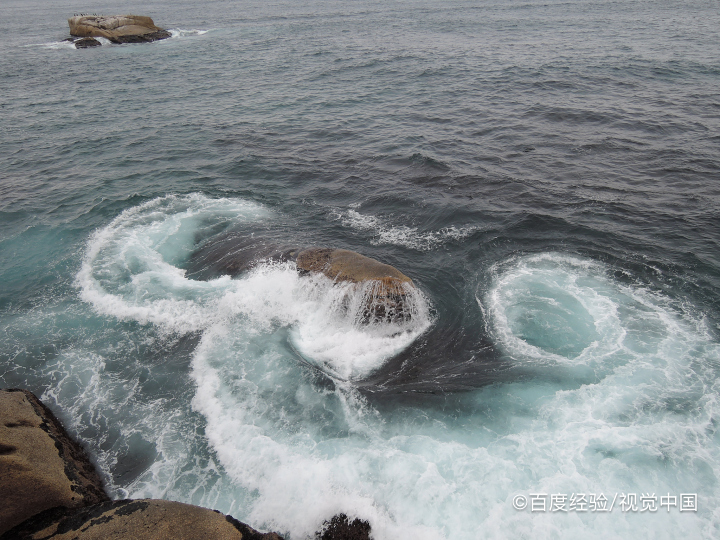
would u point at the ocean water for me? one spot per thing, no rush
(547, 173)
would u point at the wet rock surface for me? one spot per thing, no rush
(146, 519)
(345, 265)
(41, 467)
(232, 254)
(49, 489)
(341, 528)
(384, 287)
(86, 42)
(117, 28)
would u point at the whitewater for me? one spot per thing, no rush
(544, 172)
(618, 381)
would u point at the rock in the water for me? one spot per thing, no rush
(385, 286)
(41, 467)
(341, 528)
(345, 265)
(387, 294)
(145, 519)
(86, 42)
(117, 28)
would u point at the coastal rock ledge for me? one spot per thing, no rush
(117, 28)
(128, 519)
(41, 467)
(50, 490)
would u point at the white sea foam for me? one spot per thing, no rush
(129, 268)
(182, 33)
(402, 235)
(129, 272)
(54, 45)
(622, 397)
(558, 309)
(266, 423)
(423, 474)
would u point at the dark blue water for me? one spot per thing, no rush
(547, 173)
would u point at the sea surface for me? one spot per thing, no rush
(547, 173)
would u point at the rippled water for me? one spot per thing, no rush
(545, 172)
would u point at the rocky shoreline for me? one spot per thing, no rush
(51, 490)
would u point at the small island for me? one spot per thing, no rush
(115, 28)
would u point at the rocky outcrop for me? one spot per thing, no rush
(117, 28)
(387, 293)
(345, 265)
(41, 467)
(341, 528)
(50, 490)
(145, 519)
(385, 287)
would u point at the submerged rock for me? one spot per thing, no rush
(387, 293)
(386, 288)
(148, 519)
(41, 467)
(232, 254)
(117, 28)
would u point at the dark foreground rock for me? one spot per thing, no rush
(41, 467)
(341, 528)
(117, 28)
(145, 519)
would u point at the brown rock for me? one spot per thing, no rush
(385, 287)
(344, 265)
(117, 28)
(41, 467)
(145, 519)
(386, 292)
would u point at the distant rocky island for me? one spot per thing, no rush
(115, 28)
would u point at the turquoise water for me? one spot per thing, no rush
(546, 173)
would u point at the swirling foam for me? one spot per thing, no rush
(621, 398)
(625, 397)
(556, 309)
(131, 272)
